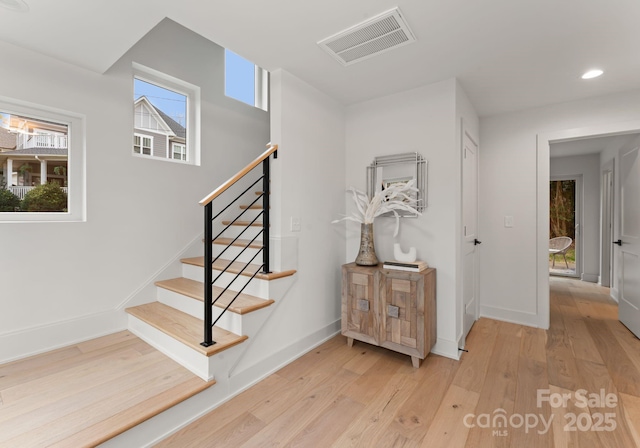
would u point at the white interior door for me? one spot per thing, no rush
(470, 233)
(629, 240)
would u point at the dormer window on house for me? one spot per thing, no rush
(166, 117)
(142, 144)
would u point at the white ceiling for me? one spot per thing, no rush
(508, 55)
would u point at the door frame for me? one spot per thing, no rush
(607, 221)
(543, 141)
(577, 178)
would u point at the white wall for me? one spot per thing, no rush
(421, 120)
(587, 167)
(63, 282)
(512, 283)
(307, 183)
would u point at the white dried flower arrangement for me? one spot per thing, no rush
(389, 200)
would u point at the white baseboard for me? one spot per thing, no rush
(615, 294)
(592, 278)
(32, 341)
(285, 356)
(512, 316)
(446, 348)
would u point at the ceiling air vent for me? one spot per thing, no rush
(375, 36)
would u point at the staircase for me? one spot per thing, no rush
(236, 293)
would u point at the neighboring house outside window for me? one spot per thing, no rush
(156, 134)
(32, 152)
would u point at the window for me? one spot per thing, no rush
(42, 172)
(166, 117)
(142, 144)
(179, 152)
(245, 81)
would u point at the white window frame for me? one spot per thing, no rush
(142, 137)
(183, 151)
(76, 161)
(261, 80)
(192, 92)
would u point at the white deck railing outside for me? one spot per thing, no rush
(42, 141)
(20, 191)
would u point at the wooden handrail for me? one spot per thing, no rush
(225, 186)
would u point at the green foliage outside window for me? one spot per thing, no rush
(9, 202)
(45, 198)
(562, 208)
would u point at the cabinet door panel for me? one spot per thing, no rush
(400, 321)
(359, 306)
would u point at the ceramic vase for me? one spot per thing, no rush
(367, 253)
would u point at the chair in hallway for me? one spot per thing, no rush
(559, 245)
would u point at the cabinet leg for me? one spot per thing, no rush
(350, 342)
(416, 361)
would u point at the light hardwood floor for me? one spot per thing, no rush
(367, 396)
(82, 395)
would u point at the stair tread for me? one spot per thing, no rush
(239, 242)
(237, 267)
(242, 223)
(184, 327)
(252, 207)
(244, 304)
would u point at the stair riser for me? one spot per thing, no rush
(249, 215)
(196, 362)
(233, 251)
(205, 367)
(247, 233)
(257, 287)
(230, 321)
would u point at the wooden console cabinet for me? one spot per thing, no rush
(390, 308)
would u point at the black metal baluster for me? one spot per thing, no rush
(208, 274)
(266, 189)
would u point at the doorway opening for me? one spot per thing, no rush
(623, 130)
(564, 227)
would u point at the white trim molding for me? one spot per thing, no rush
(35, 340)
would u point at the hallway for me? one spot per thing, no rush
(588, 348)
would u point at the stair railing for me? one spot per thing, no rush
(210, 261)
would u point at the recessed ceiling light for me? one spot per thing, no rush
(15, 5)
(592, 74)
